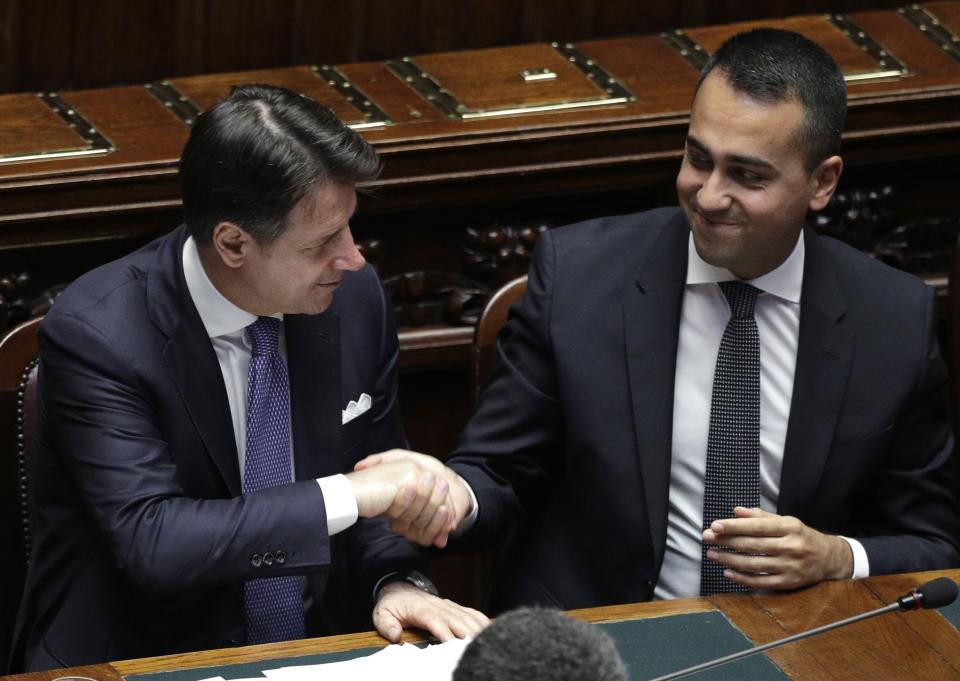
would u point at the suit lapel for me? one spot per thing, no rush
(824, 357)
(191, 359)
(313, 357)
(651, 325)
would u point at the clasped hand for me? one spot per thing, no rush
(423, 499)
(776, 552)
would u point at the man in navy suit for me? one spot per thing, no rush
(148, 534)
(593, 436)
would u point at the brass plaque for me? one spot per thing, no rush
(187, 97)
(44, 126)
(939, 21)
(511, 80)
(859, 56)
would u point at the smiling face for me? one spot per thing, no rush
(743, 185)
(299, 271)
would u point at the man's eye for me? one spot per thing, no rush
(750, 177)
(698, 161)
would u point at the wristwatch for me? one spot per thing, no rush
(421, 581)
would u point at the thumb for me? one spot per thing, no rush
(387, 625)
(744, 512)
(368, 462)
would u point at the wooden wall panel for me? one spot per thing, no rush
(71, 44)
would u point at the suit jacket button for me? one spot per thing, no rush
(267, 558)
(256, 559)
(280, 557)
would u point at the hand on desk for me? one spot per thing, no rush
(791, 554)
(423, 499)
(402, 606)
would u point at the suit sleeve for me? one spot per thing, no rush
(513, 442)
(910, 520)
(103, 426)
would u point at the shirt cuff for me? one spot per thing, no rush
(861, 564)
(382, 582)
(470, 519)
(340, 502)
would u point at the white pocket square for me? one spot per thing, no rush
(355, 408)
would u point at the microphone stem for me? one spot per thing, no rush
(774, 644)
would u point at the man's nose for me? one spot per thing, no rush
(350, 258)
(713, 195)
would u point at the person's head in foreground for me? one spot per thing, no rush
(533, 644)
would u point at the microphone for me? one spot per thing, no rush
(934, 594)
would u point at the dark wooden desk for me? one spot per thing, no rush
(916, 645)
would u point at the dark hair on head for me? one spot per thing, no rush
(536, 644)
(773, 65)
(253, 155)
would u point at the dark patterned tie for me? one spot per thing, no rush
(733, 444)
(274, 606)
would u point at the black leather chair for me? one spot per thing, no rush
(18, 395)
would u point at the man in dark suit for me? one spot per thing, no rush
(622, 415)
(199, 401)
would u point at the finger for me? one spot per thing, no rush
(440, 540)
(429, 619)
(770, 546)
(468, 622)
(425, 522)
(436, 532)
(750, 512)
(480, 619)
(408, 479)
(405, 496)
(749, 564)
(425, 489)
(388, 456)
(386, 624)
(757, 527)
(771, 582)
(462, 622)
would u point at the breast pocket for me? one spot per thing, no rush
(354, 433)
(860, 451)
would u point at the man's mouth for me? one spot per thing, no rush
(714, 222)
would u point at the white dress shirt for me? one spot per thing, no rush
(704, 315)
(225, 324)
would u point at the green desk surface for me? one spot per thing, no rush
(952, 613)
(650, 648)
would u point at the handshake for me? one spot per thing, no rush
(422, 498)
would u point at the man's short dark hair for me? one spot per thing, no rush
(253, 155)
(537, 644)
(773, 65)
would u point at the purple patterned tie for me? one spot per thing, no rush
(274, 605)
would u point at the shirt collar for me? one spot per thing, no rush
(220, 317)
(786, 281)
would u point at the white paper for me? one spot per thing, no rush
(400, 662)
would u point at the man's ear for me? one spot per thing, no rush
(231, 243)
(825, 179)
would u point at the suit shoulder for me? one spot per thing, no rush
(615, 235)
(121, 277)
(632, 227)
(870, 278)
